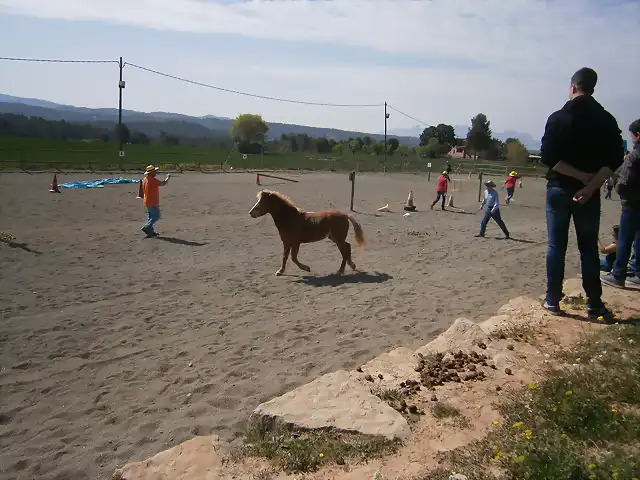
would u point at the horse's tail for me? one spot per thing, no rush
(358, 231)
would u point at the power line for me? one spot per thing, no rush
(237, 92)
(55, 60)
(407, 115)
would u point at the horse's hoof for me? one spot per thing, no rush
(279, 273)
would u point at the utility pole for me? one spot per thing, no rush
(386, 117)
(121, 85)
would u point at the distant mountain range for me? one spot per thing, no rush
(461, 132)
(152, 123)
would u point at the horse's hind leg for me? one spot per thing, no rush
(345, 250)
(294, 257)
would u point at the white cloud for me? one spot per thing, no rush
(530, 47)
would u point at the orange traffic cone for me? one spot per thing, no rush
(140, 191)
(54, 185)
(409, 206)
(257, 179)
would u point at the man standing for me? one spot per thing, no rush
(150, 187)
(628, 187)
(582, 146)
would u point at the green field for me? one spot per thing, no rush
(35, 154)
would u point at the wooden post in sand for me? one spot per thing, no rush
(352, 179)
(480, 187)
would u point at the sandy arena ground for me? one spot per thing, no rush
(114, 347)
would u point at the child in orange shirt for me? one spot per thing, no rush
(150, 187)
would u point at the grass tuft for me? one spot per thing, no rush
(307, 451)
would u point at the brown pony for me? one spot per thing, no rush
(297, 226)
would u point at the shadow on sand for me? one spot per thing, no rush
(179, 241)
(334, 280)
(22, 246)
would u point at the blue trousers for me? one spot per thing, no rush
(628, 240)
(153, 215)
(488, 215)
(510, 194)
(439, 195)
(586, 219)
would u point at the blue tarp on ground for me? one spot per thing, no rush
(98, 183)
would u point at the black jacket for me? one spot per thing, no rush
(584, 135)
(627, 177)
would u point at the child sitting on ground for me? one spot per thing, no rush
(609, 252)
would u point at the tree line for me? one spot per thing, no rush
(248, 134)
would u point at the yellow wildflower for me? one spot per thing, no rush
(520, 459)
(578, 359)
(527, 434)
(499, 456)
(601, 318)
(532, 386)
(613, 410)
(496, 422)
(591, 466)
(321, 455)
(518, 425)
(568, 393)
(564, 435)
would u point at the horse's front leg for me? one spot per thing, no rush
(294, 256)
(285, 256)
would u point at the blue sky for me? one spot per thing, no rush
(437, 60)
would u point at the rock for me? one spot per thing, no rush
(335, 401)
(519, 306)
(393, 367)
(494, 324)
(201, 458)
(573, 289)
(462, 336)
(508, 371)
(457, 476)
(510, 347)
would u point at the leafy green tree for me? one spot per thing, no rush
(445, 134)
(378, 148)
(249, 127)
(123, 133)
(516, 152)
(323, 145)
(393, 144)
(479, 136)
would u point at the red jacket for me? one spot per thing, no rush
(443, 184)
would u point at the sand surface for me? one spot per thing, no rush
(114, 347)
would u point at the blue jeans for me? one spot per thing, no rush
(628, 239)
(488, 215)
(633, 268)
(586, 220)
(440, 195)
(153, 215)
(510, 194)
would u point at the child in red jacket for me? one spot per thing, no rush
(441, 189)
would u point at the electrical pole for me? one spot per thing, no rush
(386, 116)
(121, 85)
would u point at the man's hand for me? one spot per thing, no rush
(584, 194)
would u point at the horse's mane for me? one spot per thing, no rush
(286, 200)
